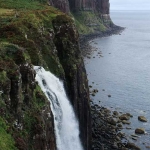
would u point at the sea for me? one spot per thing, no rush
(119, 66)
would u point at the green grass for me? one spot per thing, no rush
(6, 140)
(4, 11)
(3, 76)
(22, 4)
(31, 31)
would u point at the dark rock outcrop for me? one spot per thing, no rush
(66, 41)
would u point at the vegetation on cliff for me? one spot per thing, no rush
(26, 39)
(88, 22)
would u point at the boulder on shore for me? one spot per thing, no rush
(124, 117)
(142, 118)
(133, 146)
(140, 130)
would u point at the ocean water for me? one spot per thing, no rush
(123, 71)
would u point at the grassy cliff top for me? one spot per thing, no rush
(29, 25)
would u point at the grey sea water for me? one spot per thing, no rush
(124, 70)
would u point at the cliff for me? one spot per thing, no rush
(38, 35)
(101, 6)
(91, 16)
(34, 33)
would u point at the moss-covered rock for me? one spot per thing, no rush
(89, 22)
(6, 140)
(22, 103)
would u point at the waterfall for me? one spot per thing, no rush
(66, 124)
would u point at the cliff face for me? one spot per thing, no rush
(66, 41)
(101, 6)
(63, 5)
(43, 36)
(47, 38)
(95, 5)
(22, 103)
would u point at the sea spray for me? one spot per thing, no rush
(66, 124)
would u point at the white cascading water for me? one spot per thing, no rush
(66, 124)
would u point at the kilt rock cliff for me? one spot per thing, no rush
(46, 34)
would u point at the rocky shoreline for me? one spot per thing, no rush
(107, 129)
(84, 39)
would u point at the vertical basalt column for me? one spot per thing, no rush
(105, 6)
(63, 5)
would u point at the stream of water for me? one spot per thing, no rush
(66, 124)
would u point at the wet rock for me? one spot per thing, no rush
(133, 138)
(148, 147)
(109, 95)
(112, 121)
(95, 91)
(142, 118)
(132, 146)
(115, 113)
(140, 131)
(133, 135)
(114, 146)
(128, 128)
(123, 148)
(128, 114)
(126, 122)
(120, 134)
(93, 94)
(118, 138)
(124, 117)
(119, 125)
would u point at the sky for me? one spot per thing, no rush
(129, 4)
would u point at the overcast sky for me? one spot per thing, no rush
(130, 4)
